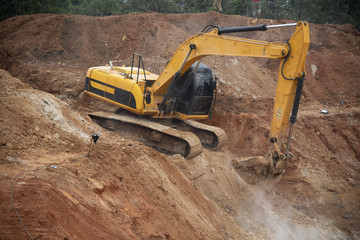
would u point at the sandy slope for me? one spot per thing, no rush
(124, 190)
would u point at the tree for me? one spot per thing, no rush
(315, 11)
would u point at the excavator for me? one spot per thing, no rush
(161, 110)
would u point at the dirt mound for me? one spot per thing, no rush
(126, 190)
(122, 190)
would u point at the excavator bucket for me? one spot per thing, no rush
(256, 170)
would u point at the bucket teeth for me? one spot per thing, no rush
(255, 170)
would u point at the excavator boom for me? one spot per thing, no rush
(207, 44)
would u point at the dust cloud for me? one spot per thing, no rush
(275, 221)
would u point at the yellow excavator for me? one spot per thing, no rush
(161, 109)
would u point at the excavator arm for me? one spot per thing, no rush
(287, 99)
(288, 91)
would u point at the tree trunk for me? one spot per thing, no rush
(300, 9)
(247, 7)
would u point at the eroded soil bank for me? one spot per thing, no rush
(125, 190)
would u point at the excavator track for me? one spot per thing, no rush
(210, 136)
(172, 137)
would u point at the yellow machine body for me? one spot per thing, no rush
(185, 89)
(115, 86)
(145, 93)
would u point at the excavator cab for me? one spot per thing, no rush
(197, 98)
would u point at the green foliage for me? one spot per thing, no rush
(162, 6)
(238, 7)
(95, 7)
(316, 11)
(193, 6)
(47, 6)
(18, 7)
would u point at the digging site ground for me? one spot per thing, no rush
(126, 190)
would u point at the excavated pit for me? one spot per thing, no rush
(126, 190)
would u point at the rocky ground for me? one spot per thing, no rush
(125, 190)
